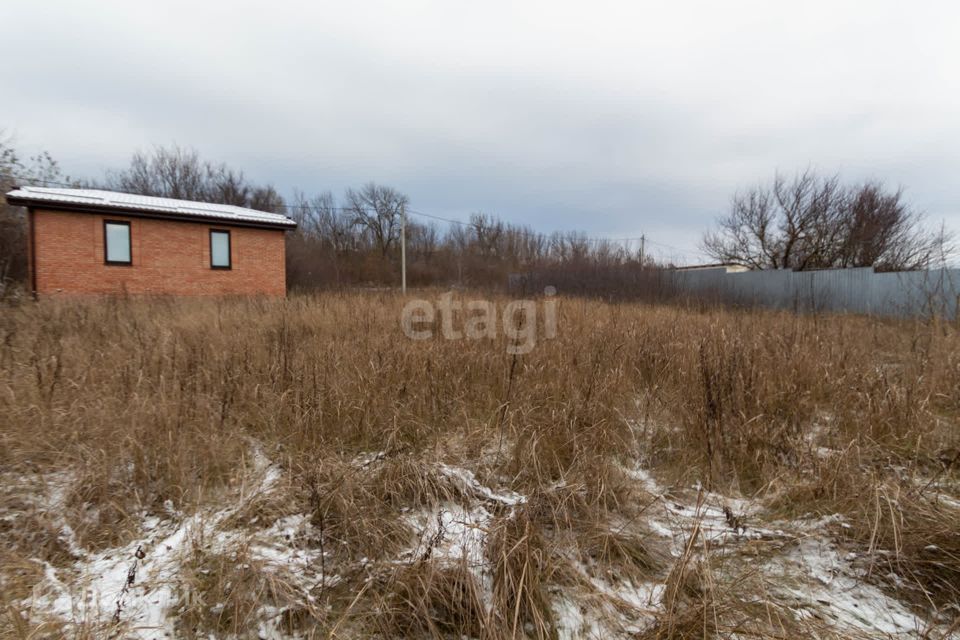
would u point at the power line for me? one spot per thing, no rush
(595, 239)
(462, 223)
(671, 247)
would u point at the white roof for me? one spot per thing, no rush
(166, 206)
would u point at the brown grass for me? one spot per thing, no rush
(143, 406)
(221, 593)
(427, 600)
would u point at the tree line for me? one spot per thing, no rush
(804, 222)
(355, 240)
(345, 242)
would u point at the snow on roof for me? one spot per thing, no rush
(112, 200)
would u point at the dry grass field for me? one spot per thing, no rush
(300, 468)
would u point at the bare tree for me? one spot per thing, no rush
(321, 219)
(813, 222)
(879, 229)
(377, 210)
(488, 234)
(171, 172)
(422, 241)
(266, 199)
(176, 172)
(227, 186)
(572, 247)
(16, 170)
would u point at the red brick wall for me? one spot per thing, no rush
(169, 257)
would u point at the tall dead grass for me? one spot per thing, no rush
(137, 407)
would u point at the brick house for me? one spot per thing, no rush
(87, 241)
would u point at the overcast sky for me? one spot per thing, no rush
(619, 119)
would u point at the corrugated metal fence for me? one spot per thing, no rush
(907, 293)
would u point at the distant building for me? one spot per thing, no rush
(86, 241)
(726, 268)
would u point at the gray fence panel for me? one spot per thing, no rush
(909, 293)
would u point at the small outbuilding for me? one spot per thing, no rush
(88, 241)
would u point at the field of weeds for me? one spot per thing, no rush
(301, 469)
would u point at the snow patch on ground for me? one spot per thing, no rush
(573, 620)
(92, 596)
(721, 520)
(468, 483)
(815, 579)
(452, 533)
(803, 570)
(809, 574)
(138, 579)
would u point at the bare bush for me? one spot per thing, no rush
(813, 222)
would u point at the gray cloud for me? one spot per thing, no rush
(615, 118)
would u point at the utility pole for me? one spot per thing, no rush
(403, 249)
(643, 241)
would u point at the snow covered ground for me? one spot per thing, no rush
(804, 570)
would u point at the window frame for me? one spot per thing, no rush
(106, 247)
(229, 265)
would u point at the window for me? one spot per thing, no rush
(219, 249)
(116, 242)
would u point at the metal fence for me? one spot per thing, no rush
(904, 294)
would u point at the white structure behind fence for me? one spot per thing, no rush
(906, 293)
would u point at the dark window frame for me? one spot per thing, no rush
(106, 253)
(229, 265)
